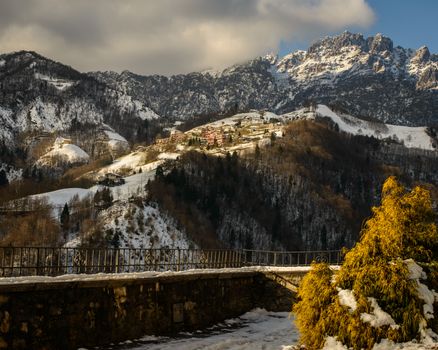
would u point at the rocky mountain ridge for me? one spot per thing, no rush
(369, 77)
(366, 77)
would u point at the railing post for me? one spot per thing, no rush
(21, 261)
(117, 260)
(178, 266)
(38, 261)
(275, 258)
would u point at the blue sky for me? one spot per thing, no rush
(409, 23)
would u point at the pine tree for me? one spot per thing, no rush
(257, 151)
(3, 178)
(377, 273)
(65, 218)
(115, 241)
(103, 198)
(159, 173)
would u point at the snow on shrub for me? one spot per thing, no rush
(382, 293)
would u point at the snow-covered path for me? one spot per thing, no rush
(255, 330)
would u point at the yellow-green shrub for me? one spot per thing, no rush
(403, 227)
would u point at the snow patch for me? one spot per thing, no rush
(411, 137)
(130, 161)
(378, 317)
(168, 155)
(424, 293)
(149, 274)
(47, 116)
(346, 298)
(69, 153)
(415, 271)
(116, 141)
(115, 136)
(127, 104)
(142, 227)
(60, 84)
(332, 344)
(7, 124)
(60, 197)
(12, 174)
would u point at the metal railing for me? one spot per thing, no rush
(292, 258)
(43, 261)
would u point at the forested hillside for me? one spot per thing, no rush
(311, 189)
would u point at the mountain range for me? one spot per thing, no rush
(308, 129)
(368, 77)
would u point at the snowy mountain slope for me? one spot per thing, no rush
(134, 186)
(65, 152)
(254, 126)
(60, 84)
(12, 173)
(40, 95)
(246, 130)
(116, 142)
(59, 198)
(411, 137)
(128, 224)
(142, 227)
(367, 77)
(348, 69)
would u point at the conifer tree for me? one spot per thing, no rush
(380, 291)
(65, 217)
(3, 178)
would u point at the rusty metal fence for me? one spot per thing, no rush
(43, 261)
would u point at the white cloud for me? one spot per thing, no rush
(168, 36)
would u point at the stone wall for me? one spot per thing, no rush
(85, 313)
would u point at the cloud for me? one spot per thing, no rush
(168, 36)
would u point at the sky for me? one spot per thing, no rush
(179, 36)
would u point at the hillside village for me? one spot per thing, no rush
(235, 134)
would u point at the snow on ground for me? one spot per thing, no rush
(115, 136)
(130, 161)
(145, 113)
(169, 155)
(377, 318)
(134, 185)
(346, 298)
(142, 227)
(127, 104)
(60, 197)
(68, 152)
(47, 116)
(12, 173)
(255, 330)
(332, 344)
(116, 140)
(148, 274)
(60, 84)
(429, 297)
(7, 123)
(412, 137)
